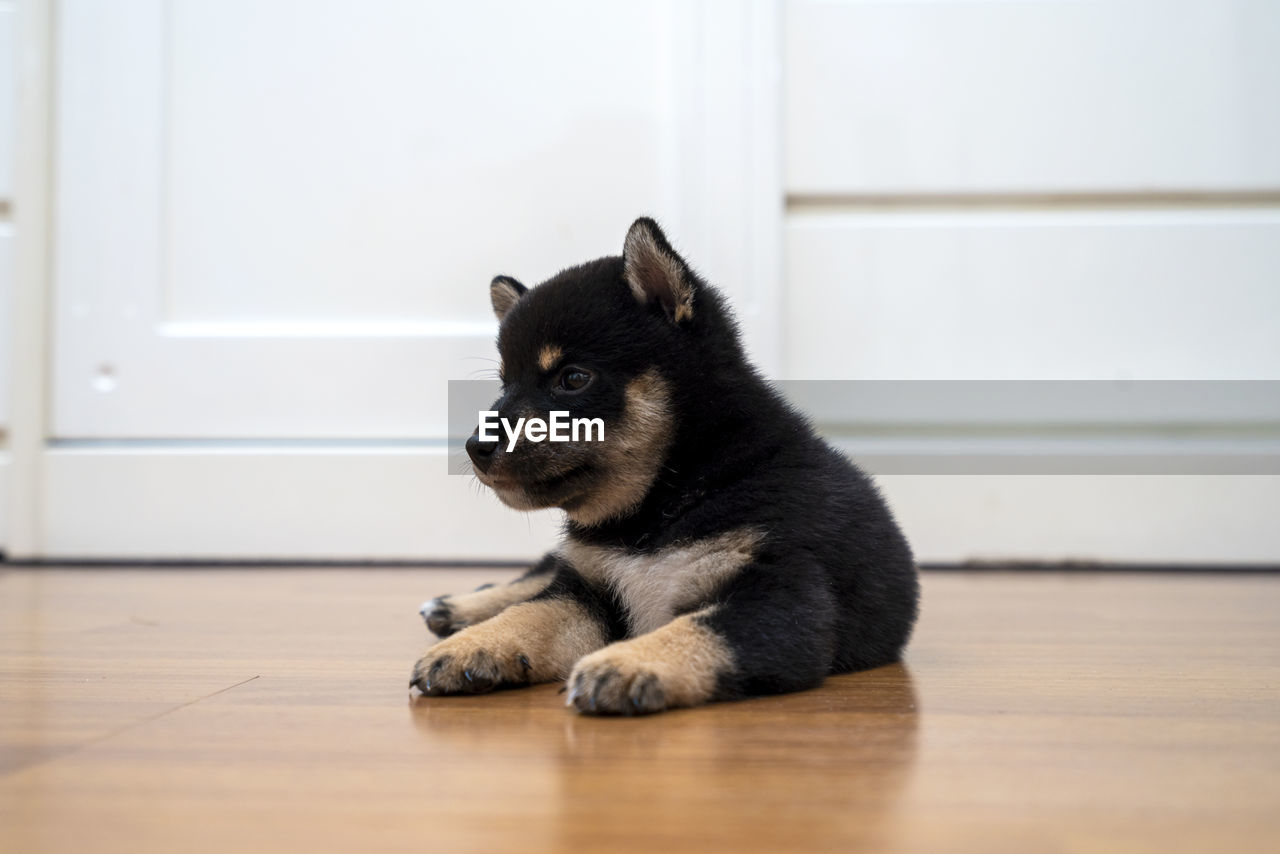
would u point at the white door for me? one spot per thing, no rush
(277, 223)
(282, 225)
(1045, 191)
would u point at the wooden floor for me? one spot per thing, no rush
(238, 710)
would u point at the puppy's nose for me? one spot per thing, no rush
(481, 453)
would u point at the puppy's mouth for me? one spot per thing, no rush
(539, 491)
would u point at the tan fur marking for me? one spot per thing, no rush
(551, 634)
(467, 609)
(686, 657)
(653, 587)
(548, 356)
(502, 296)
(633, 453)
(646, 266)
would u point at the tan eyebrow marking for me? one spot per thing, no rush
(548, 356)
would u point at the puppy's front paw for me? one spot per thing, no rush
(606, 683)
(441, 618)
(679, 664)
(461, 666)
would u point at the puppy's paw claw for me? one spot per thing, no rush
(454, 668)
(440, 617)
(608, 688)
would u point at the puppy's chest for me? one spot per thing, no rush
(653, 587)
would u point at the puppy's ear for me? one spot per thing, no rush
(505, 292)
(655, 272)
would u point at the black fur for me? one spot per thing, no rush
(832, 586)
(600, 603)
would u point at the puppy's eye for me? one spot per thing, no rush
(573, 379)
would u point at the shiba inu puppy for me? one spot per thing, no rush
(715, 548)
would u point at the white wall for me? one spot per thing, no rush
(8, 66)
(993, 98)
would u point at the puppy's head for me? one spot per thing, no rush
(599, 344)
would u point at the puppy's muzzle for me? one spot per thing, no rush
(481, 453)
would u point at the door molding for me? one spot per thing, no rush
(22, 524)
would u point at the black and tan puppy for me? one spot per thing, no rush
(715, 547)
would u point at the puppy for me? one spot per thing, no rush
(714, 547)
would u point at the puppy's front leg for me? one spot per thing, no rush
(534, 641)
(448, 614)
(679, 664)
(765, 636)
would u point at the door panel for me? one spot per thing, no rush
(383, 169)
(279, 220)
(984, 96)
(1034, 295)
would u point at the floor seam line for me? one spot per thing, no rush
(120, 730)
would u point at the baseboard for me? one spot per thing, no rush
(358, 503)
(1097, 518)
(313, 503)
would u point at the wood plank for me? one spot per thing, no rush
(247, 710)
